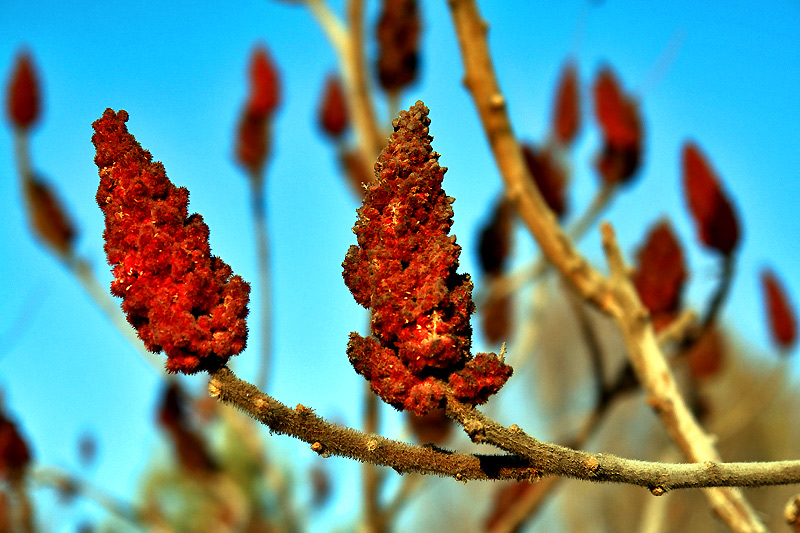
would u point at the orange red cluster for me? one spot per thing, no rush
(179, 297)
(404, 270)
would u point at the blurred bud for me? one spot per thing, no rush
(264, 84)
(320, 486)
(14, 453)
(333, 111)
(618, 117)
(47, 216)
(496, 313)
(87, 449)
(791, 513)
(549, 176)
(661, 273)
(433, 427)
(23, 101)
(254, 136)
(398, 44)
(713, 213)
(253, 142)
(189, 447)
(707, 355)
(780, 313)
(567, 112)
(504, 501)
(495, 238)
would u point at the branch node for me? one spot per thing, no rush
(372, 445)
(658, 491)
(592, 465)
(533, 476)
(476, 430)
(318, 448)
(214, 387)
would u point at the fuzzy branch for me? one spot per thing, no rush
(327, 439)
(530, 458)
(552, 459)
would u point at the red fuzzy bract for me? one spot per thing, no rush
(404, 270)
(712, 210)
(780, 313)
(23, 94)
(179, 297)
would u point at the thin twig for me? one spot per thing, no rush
(481, 82)
(351, 64)
(61, 480)
(264, 268)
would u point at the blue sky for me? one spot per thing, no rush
(733, 86)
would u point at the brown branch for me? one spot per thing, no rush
(529, 457)
(373, 477)
(629, 313)
(328, 439)
(552, 459)
(481, 82)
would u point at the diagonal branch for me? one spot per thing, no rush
(629, 313)
(662, 391)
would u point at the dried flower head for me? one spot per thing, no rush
(14, 453)
(713, 213)
(48, 217)
(549, 176)
(190, 448)
(179, 297)
(404, 270)
(660, 273)
(495, 239)
(333, 110)
(707, 355)
(253, 135)
(780, 313)
(23, 101)
(264, 85)
(618, 117)
(398, 44)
